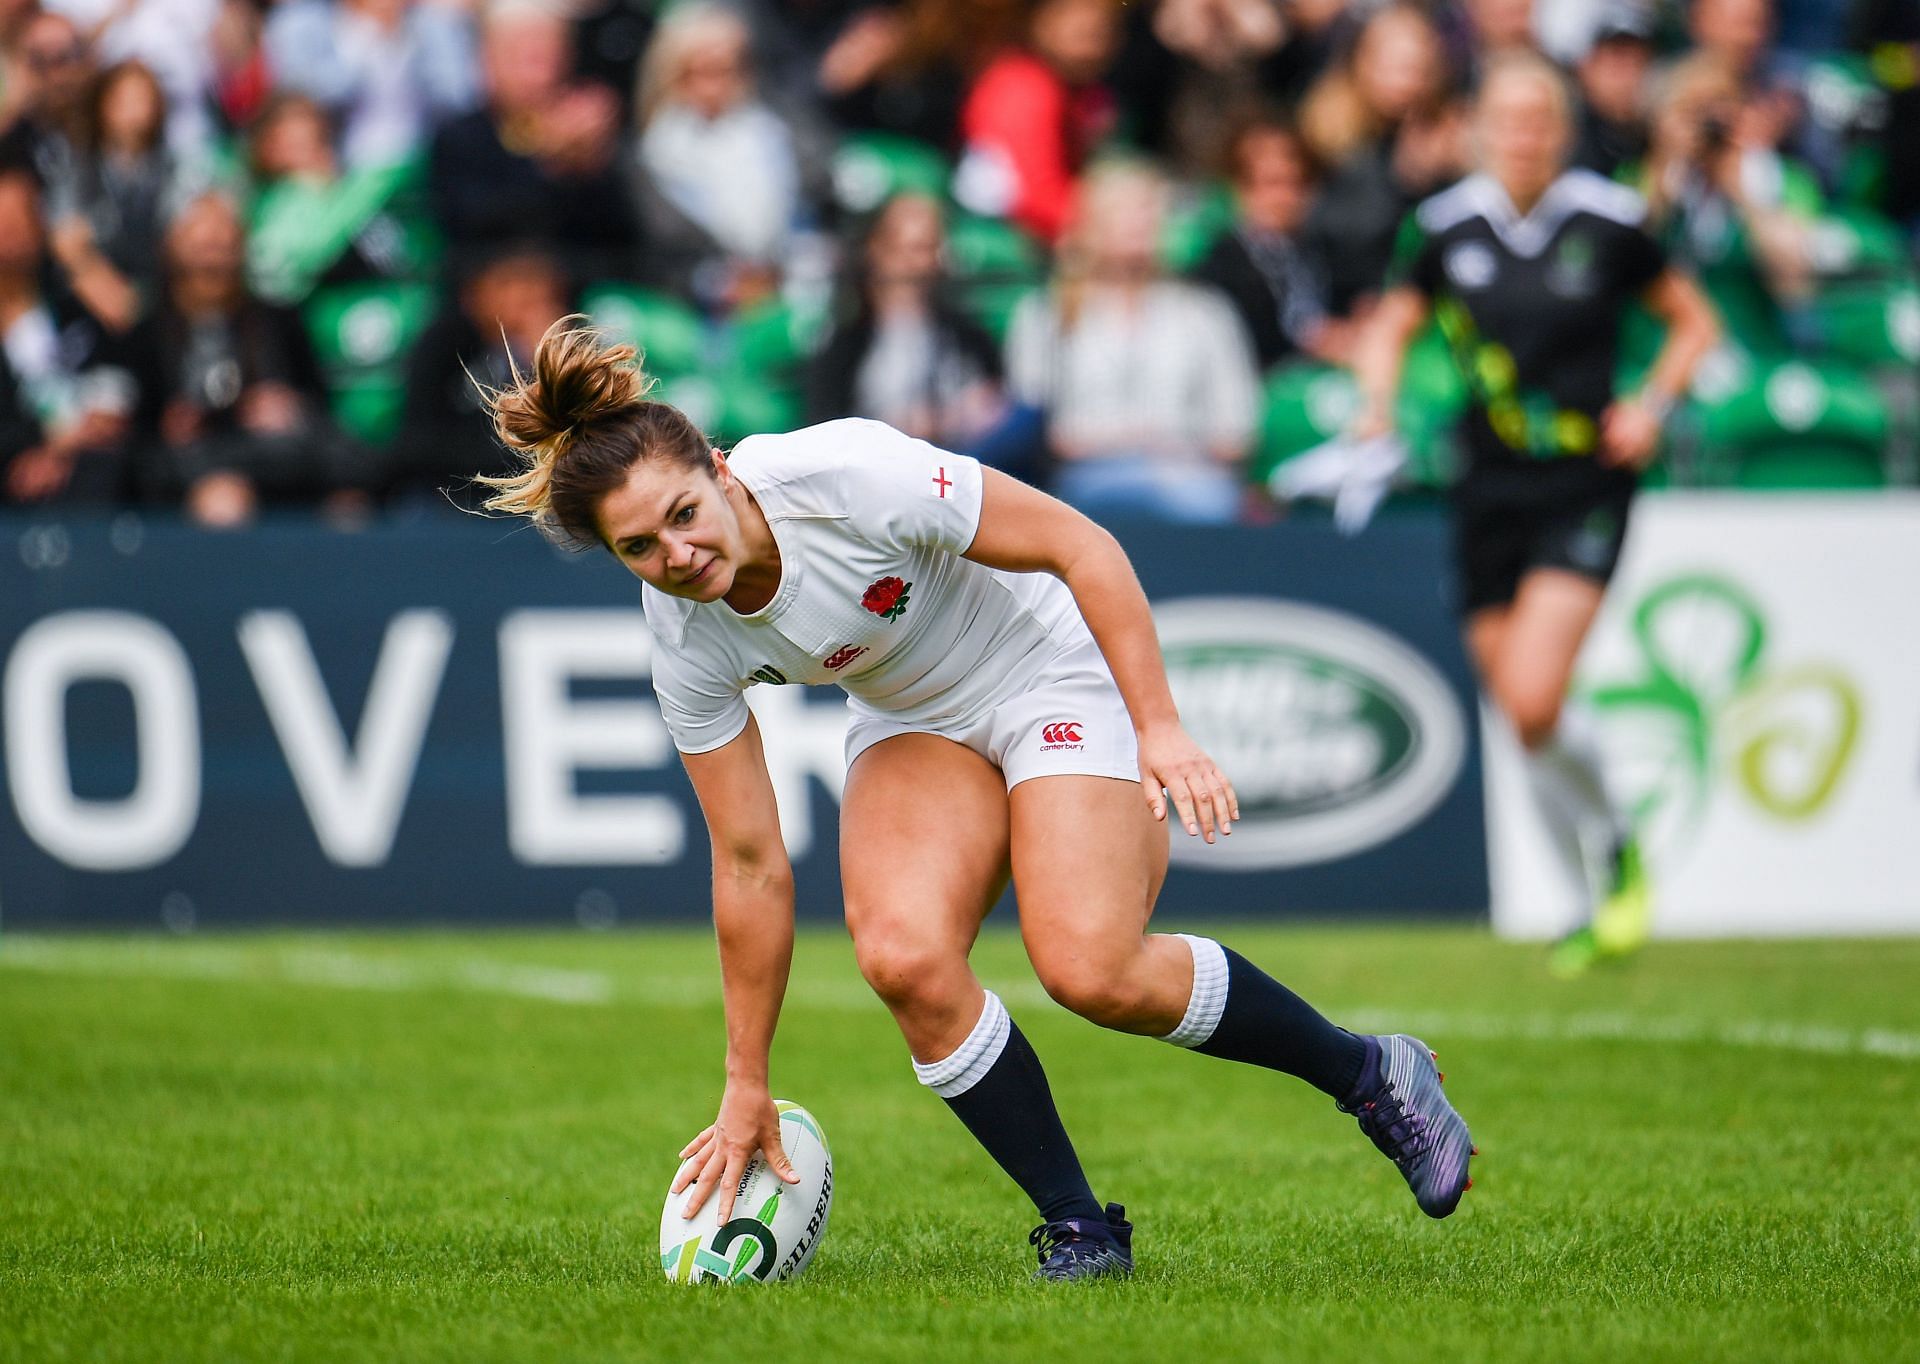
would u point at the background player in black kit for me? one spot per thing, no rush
(1529, 269)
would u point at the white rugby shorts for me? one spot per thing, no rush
(1070, 721)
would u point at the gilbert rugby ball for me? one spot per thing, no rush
(775, 1227)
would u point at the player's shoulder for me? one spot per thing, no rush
(803, 473)
(832, 471)
(1456, 206)
(1479, 198)
(1583, 191)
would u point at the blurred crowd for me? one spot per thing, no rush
(258, 253)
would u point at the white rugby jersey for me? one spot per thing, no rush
(874, 595)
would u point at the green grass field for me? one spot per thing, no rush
(454, 1147)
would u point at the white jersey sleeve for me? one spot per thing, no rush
(704, 709)
(902, 493)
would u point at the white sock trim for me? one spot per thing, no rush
(1209, 999)
(972, 1059)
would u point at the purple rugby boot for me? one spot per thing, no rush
(1400, 1106)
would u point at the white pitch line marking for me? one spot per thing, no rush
(1818, 1039)
(338, 968)
(330, 968)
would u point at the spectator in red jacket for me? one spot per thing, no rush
(1034, 115)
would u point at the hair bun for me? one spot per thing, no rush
(577, 379)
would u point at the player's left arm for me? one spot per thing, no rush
(1023, 530)
(1630, 430)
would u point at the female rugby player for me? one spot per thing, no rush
(1529, 269)
(1008, 707)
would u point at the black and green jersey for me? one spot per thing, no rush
(1531, 306)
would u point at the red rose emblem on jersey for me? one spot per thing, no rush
(887, 598)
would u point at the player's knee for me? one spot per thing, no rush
(1533, 711)
(1098, 988)
(1536, 725)
(905, 973)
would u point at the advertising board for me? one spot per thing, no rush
(452, 722)
(1755, 676)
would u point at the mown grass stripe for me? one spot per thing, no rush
(342, 969)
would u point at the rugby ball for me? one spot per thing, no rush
(775, 1227)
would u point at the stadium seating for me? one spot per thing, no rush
(994, 265)
(775, 337)
(747, 404)
(1873, 324)
(1306, 403)
(361, 335)
(669, 334)
(1847, 104)
(759, 377)
(1853, 243)
(869, 168)
(1194, 226)
(1797, 424)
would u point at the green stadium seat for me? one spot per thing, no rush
(361, 335)
(1847, 102)
(670, 335)
(1193, 227)
(750, 405)
(870, 168)
(995, 264)
(1857, 242)
(759, 386)
(1304, 404)
(1797, 425)
(775, 336)
(1810, 467)
(1871, 324)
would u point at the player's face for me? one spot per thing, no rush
(675, 528)
(1523, 134)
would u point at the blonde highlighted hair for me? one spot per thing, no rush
(578, 424)
(684, 30)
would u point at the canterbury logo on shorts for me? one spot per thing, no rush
(843, 656)
(1061, 734)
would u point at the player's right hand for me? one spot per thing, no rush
(1629, 434)
(1173, 767)
(747, 1123)
(1369, 422)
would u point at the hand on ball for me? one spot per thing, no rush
(719, 1156)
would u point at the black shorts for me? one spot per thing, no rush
(1512, 518)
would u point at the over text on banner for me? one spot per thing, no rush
(453, 723)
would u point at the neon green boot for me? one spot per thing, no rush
(1573, 954)
(1624, 920)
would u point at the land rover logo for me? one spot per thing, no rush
(1336, 735)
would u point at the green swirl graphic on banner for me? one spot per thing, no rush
(1705, 700)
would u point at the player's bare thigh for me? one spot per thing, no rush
(1088, 864)
(923, 857)
(1525, 652)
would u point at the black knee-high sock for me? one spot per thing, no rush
(1266, 1024)
(1010, 1111)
